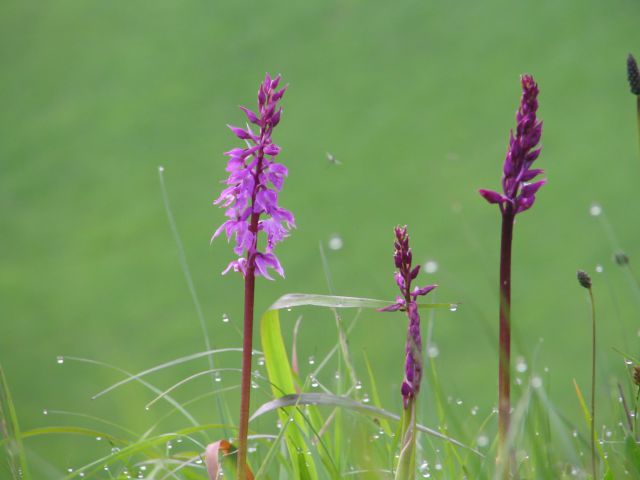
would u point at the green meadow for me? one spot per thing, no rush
(415, 99)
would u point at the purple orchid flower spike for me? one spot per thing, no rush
(251, 203)
(518, 193)
(255, 180)
(404, 275)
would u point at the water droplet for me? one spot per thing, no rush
(289, 309)
(358, 385)
(458, 401)
(217, 377)
(82, 474)
(599, 268)
(45, 412)
(438, 466)
(70, 470)
(314, 381)
(595, 209)
(431, 266)
(115, 450)
(518, 381)
(335, 242)
(433, 351)
(279, 425)
(312, 360)
(628, 362)
(256, 373)
(536, 382)
(365, 398)
(453, 307)
(261, 361)
(336, 375)
(252, 448)
(608, 434)
(254, 384)
(574, 434)
(424, 469)
(98, 438)
(169, 446)
(521, 365)
(474, 410)
(161, 169)
(482, 441)
(225, 318)
(60, 359)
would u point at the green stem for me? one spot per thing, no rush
(593, 384)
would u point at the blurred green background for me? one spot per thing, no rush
(414, 98)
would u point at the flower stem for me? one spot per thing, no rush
(504, 361)
(245, 386)
(638, 115)
(593, 384)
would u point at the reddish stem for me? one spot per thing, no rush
(245, 386)
(504, 362)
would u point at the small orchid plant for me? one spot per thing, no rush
(518, 194)
(406, 302)
(251, 203)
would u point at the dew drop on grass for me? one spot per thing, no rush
(98, 438)
(225, 318)
(599, 268)
(521, 365)
(59, 359)
(431, 266)
(312, 360)
(336, 375)
(161, 169)
(575, 434)
(453, 307)
(314, 382)
(254, 384)
(261, 361)
(433, 351)
(424, 469)
(628, 362)
(482, 441)
(358, 385)
(335, 242)
(217, 377)
(595, 210)
(536, 382)
(459, 402)
(365, 398)
(45, 412)
(115, 450)
(474, 410)
(438, 466)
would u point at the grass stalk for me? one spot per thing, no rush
(593, 383)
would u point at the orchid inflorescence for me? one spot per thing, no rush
(518, 194)
(404, 275)
(254, 182)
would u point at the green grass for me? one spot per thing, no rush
(414, 98)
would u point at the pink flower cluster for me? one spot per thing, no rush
(255, 180)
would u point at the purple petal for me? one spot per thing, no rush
(240, 133)
(531, 174)
(418, 292)
(491, 196)
(252, 117)
(531, 188)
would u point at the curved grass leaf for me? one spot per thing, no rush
(10, 430)
(344, 402)
(332, 301)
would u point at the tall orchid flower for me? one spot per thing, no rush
(406, 302)
(518, 194)
(251, 203)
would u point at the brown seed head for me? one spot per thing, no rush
(636, 375)
(584, 279)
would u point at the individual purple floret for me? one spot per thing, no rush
(518, 194)
(251, 198)
(407, 303)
